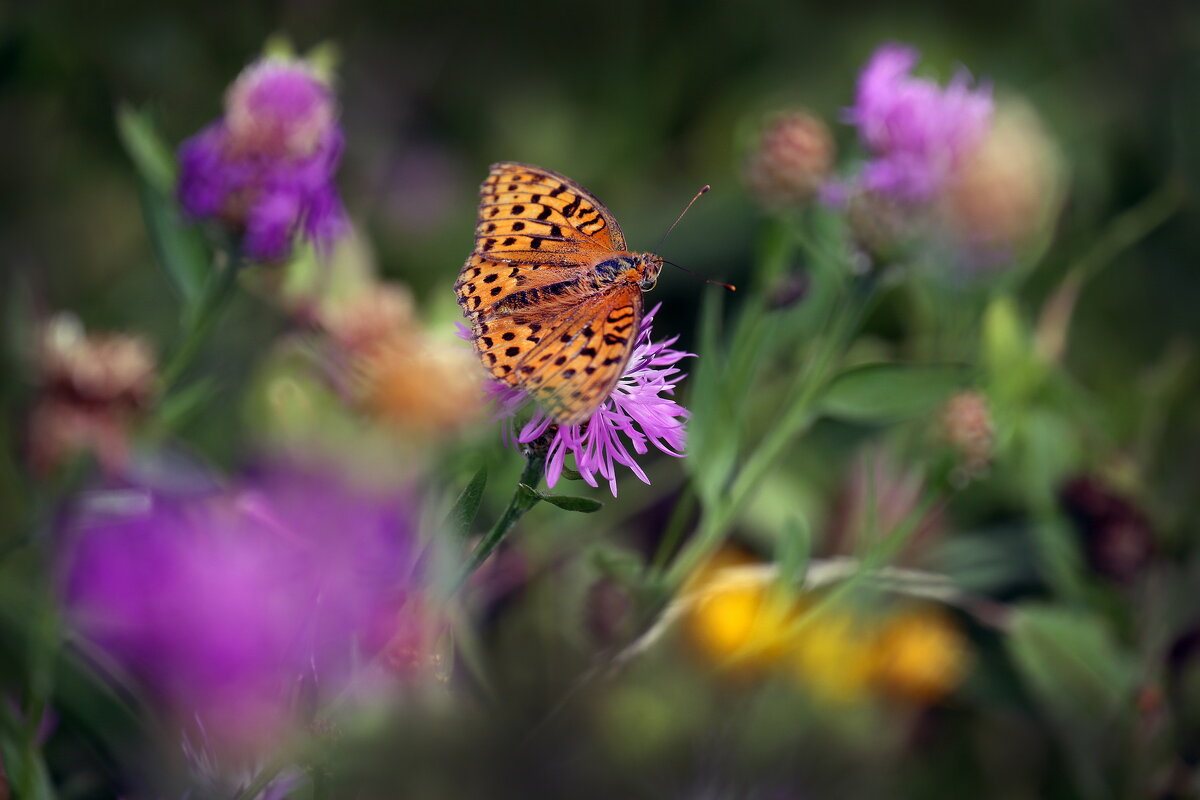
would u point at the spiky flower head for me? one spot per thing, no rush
(266, 168)
(641, 411)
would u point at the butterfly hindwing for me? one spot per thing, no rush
(578, 362)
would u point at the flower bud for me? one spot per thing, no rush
(90, 389)
(365, 320)
(113, 368)
(967, 426)
(792, 159)
(1007, 189)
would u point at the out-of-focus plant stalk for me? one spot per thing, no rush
(201, 318)
(798, 417)
(524, 498)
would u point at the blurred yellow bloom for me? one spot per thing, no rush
(736, 618)
(920, 656)
(833, 656)
(741, 626)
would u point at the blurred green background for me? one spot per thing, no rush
(641, 102)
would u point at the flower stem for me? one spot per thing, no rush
(524, 498)
(202, 317)
(798, 417)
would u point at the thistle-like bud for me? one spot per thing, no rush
(792, 159)
(1008, 188)
(90, 390)
(967, 426)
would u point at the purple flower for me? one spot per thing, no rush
(266, 168)
(640, 411)
(229, 605)
(917, 132)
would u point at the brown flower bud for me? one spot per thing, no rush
(90, 389)
(967, 426)
(113, 368)
(1009, 188)
(793, 158)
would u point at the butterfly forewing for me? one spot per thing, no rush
(541, 212)
(537, 322)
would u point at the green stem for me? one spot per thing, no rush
(799, 416)
(217, 291)
(523, 499)
(1132, 226)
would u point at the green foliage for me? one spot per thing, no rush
(884, 393)
(179, 246)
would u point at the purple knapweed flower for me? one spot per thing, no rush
(228, 606)
(916, 131)
(266, 168)
(640, 411)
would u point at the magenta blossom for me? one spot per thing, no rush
(266, 168)
(918, 133)
(227, 606)
(640, 411)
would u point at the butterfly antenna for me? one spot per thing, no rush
(728, 286)
(681, 213)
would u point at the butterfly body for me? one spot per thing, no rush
(553, 295)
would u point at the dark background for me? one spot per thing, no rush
(641, 102)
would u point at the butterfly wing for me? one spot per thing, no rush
(530, 213)
(534, 326)
(578, 361)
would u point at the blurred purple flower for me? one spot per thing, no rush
(266, 168)
(640, 411)
(225, 604)
(916, 131)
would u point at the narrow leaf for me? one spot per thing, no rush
(584, 505)
(151, 156)
(794, 550)
(179, 248)
(467, 505)
(891, 392)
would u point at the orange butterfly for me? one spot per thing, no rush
(554, 297)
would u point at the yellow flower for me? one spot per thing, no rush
(921, 656)
(833, 655)
(737, 617)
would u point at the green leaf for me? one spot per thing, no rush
(529, 496)
(153, 158)
(794, 550)
(1073, 669)
(179, 248)
(584, 505)
(182, 404)
(891, 392)
(467, 505)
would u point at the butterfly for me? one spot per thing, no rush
(552, 293)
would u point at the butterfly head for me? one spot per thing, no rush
(648, 266)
